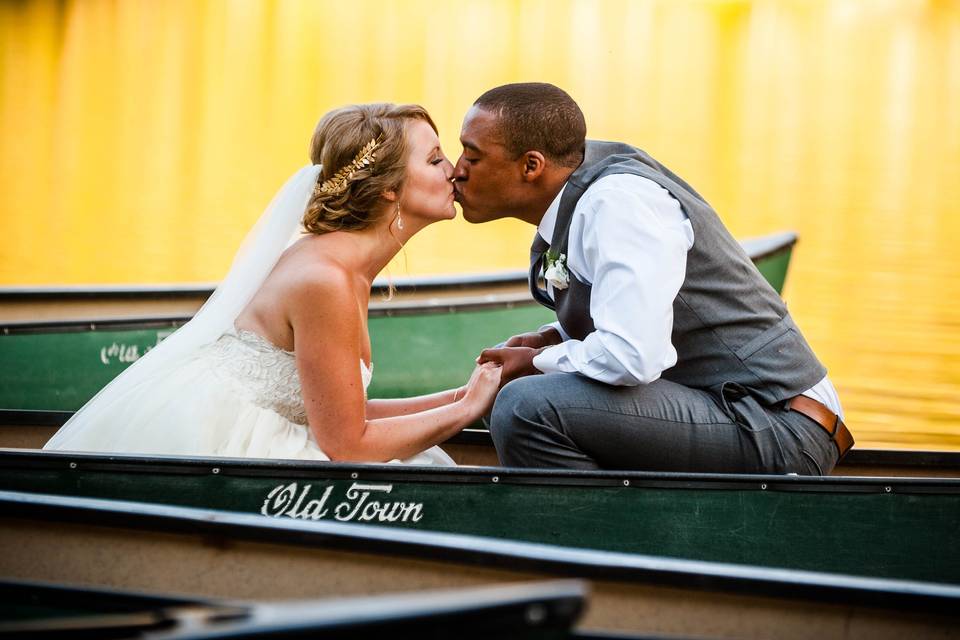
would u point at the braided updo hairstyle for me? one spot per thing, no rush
(339, 137)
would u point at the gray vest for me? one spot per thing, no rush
(729, 325)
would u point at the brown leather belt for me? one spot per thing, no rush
(831, 422)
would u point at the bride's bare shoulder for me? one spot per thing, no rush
(318, 281)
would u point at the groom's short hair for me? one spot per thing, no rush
(537, 116)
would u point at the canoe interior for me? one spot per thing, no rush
(871, 526)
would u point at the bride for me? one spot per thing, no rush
(277, 362)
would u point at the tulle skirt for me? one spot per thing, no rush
(195, 410)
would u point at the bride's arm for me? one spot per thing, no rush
(388, 407)
(326, 321)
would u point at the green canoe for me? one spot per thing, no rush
(218, 554)
(771, 254)
(879, 527)
(440, 324)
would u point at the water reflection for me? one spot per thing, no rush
(138, 141)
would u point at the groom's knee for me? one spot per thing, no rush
(516, 410)
(528, 428)
(509, 426)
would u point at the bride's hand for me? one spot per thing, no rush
(481, 389)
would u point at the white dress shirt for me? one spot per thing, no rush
(629, 240)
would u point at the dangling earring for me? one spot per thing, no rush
(399, 219)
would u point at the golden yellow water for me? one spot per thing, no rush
(139, 139)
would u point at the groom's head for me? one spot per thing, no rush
(520, 143)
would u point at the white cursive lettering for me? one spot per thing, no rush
(291, 501)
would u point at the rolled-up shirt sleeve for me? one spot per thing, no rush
(635, 259)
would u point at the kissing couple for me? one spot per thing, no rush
(670, 350)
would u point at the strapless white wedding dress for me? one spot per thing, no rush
(237, 397)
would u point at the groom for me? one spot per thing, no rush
(671, 352)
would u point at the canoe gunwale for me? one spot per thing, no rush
(485, 302)
(625, 480)
(213, 525)
(401, 284)
(93, 324)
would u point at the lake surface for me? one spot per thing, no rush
(140, 140)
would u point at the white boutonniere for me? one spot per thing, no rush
(555, 269)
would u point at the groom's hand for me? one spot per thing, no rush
(535, 339)
(516, 361)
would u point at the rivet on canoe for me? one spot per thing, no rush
(888, 489)
(626, 483)
(495, 478)
(536, 614)
(215, 470)
(73, 465)
(353, 476)
(763, 487)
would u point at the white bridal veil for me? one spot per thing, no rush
(277, 227)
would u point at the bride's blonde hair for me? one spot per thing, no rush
(347, 200)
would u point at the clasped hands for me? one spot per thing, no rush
(516, 355)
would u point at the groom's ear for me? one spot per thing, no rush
(533, 165)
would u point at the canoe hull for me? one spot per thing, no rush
(216, 554)
(60, 367)
(872, 527)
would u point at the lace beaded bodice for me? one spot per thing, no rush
(264, 373)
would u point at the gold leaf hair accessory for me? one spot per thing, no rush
(341, 179)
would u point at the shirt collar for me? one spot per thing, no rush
(549, 220)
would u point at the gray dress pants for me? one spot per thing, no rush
(563, 420)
